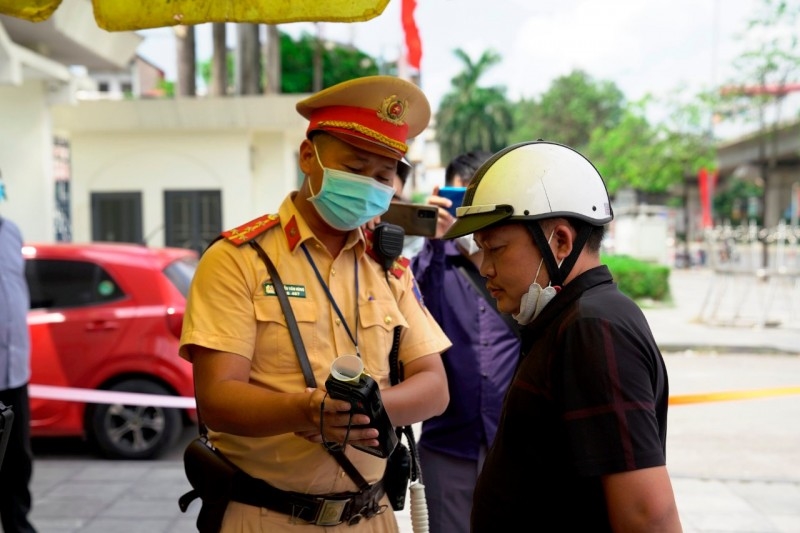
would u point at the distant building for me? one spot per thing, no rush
(141, 79)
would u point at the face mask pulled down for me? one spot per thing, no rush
(536, 298)
(346, 201)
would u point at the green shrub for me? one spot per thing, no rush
(639, 279)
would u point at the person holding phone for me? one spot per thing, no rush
(479, 365)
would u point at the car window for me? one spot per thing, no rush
(55, 283)
(181, 272)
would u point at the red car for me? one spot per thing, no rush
(108, 316)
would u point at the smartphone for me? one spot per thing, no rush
(454, 194)
(415, 219)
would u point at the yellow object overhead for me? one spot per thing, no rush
(33, 10)
(127, 15)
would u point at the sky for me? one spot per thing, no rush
(644, 46)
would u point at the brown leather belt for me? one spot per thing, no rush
(319, 509)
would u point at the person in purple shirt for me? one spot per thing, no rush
(479, 365)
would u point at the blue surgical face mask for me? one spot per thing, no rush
(346, 201)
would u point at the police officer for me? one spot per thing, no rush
(250, 389)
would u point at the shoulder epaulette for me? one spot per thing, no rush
(400, 266)
(252, 229)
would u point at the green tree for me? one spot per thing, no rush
(733, 204)
(763, 72)
(625, 154)
(573, 106)
(205, 68)
(471, 117)
(339, 63)
(654, 158)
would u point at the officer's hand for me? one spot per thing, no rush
(444, 219)
(335, 417)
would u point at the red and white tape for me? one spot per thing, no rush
(49, 392)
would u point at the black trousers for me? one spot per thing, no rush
(17, 467)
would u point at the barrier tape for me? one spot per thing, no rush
(49, 392)
(732, 395)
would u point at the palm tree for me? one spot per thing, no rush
(471, 117)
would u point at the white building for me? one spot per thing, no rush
(165, 172)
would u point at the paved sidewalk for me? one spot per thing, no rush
(711, 312)
(96, 496)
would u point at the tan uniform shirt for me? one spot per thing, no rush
(232, 307)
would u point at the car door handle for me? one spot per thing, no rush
(102, 325)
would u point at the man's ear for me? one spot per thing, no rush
(564, 238)
(307, 157)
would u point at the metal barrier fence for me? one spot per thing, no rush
(756, 278)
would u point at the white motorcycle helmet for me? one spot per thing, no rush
(531, 181)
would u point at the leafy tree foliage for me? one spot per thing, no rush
(732, 204)
(205, 70)
(771, 62)
(569, 110)
(625, 155)
(649, 158)
(339, 63)
(763, 71)
(471, 117)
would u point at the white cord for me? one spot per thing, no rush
(419, 508)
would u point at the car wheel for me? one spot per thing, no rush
(133, 431)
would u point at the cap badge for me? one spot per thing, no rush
(393, 110)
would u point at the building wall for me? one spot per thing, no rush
(26, 159)
(152, 163)
(244, 147)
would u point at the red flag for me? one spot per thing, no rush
(413, 42)
(706, 181)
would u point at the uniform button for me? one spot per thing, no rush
(333, 272)
(338, 322)
(483, 309)
(485, 375)
(486, 343)
(387, 320)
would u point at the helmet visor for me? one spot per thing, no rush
(474, 218)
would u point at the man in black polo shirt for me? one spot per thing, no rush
(582, 439)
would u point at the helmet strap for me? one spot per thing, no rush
(547, 254)
(577, 248)
(558, 275)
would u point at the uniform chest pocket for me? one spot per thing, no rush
(377, 320)
(274, 351)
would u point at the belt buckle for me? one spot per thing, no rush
(330, 512)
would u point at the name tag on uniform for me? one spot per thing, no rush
(292, 291)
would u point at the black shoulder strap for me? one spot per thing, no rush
(294, 331)
(300, 348)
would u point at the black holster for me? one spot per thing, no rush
(212, 477)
